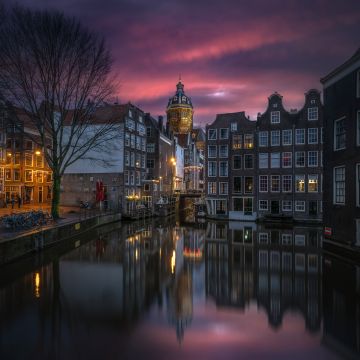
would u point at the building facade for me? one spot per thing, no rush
(24, 172)
(230, 184)
(342, 152)
(289, 153)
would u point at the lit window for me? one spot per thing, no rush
(299, 183)
(248, 141)
(312, 183)
(312, 113)
(212, 188)
(339, 185)
(236, 141)
(287, 159)
(339, 134)
(275, 117)
(28, 175)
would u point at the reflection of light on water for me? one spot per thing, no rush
(173, 261)
(37, 285)
(136, 254)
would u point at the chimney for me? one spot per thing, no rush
(161, 125)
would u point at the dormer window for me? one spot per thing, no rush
(275, 105)
(275, 117)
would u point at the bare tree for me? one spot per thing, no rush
(58, 73)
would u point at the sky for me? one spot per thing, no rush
(231, 54)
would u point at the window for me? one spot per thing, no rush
(211, 188)
(212, 151)
(127, 139)
(223, 188)
(39, 176)
(132, 140)
(275, 160)
(7, 174)
(299, 183)
(263, 138)
(312, 113)
(339, 185)
(143, 161)
(263, 183)
(237, 141)
(28, 175)
(223, 168)
(312, 136)
(233, 127)
(143, 144)
(212, 134)
(287, 137)
(28, 145)
(300, 158)
(150, 148)
(28, 159)
(248, 161)
(248, 206)
(248, 141)
(287, 183)
(300, 206)
(275, 117)
(275, 183)
(150, 163)
(263, 205)
(313, 183)
(148, 131)
(238, 204)
(339, 134)
(223, 151)
(287, 159)
(17, 159)
(220, 207)
(299, 136)
(286, 205)
(312, 158)
(237, 162)
(358, 129)
(224, 134)
(211, 168)
(16, 174)
(263, 160)
(132, 159)
(138, 142)
(275, 138)
(286, 239)
(237, 188)
(357, 184)
(248, 185)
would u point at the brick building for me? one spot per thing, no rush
(342, 152)
(289, 152)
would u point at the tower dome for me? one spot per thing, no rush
(180, 111)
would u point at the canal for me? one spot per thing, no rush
(159, 289)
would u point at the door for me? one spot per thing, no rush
(275, 207)
(40, 194)
(312, 207)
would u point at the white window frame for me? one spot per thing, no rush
(313, 113)
(299, 132)
(275, 117)
(296, 158)
(300, 177)
(289, 140)
(223, 151)
(212, 188)
(225, 184)
(275, 160)
(299, 205)
(311, 133)
(252, 161)
(263, 138)
(226, 136)
(215, 167)
(286, 205)
(278, 136)
(263, 160)
(227, 169)
(313, 177)
(336, 148)
(313, 155)
(286, 178)
(263, 205)
(279, 181)
(233, 127)
(263, 238)
(282, 160)
(262, 180)
(214, 131)
(335, 188)
(210, 155)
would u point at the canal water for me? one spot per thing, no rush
(160, 289)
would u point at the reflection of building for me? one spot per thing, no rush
(342, 152)
(278, 268)
(23, 168)
(341, 301)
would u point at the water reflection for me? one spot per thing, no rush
(144, 288)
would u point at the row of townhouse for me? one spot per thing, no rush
(24, 172)
(266, 168)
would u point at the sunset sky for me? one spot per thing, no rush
(231, 54)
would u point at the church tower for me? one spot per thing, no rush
(180, 111)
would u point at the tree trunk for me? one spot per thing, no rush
(55, 203)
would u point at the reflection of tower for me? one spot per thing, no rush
(180, 307)
(180, 111)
